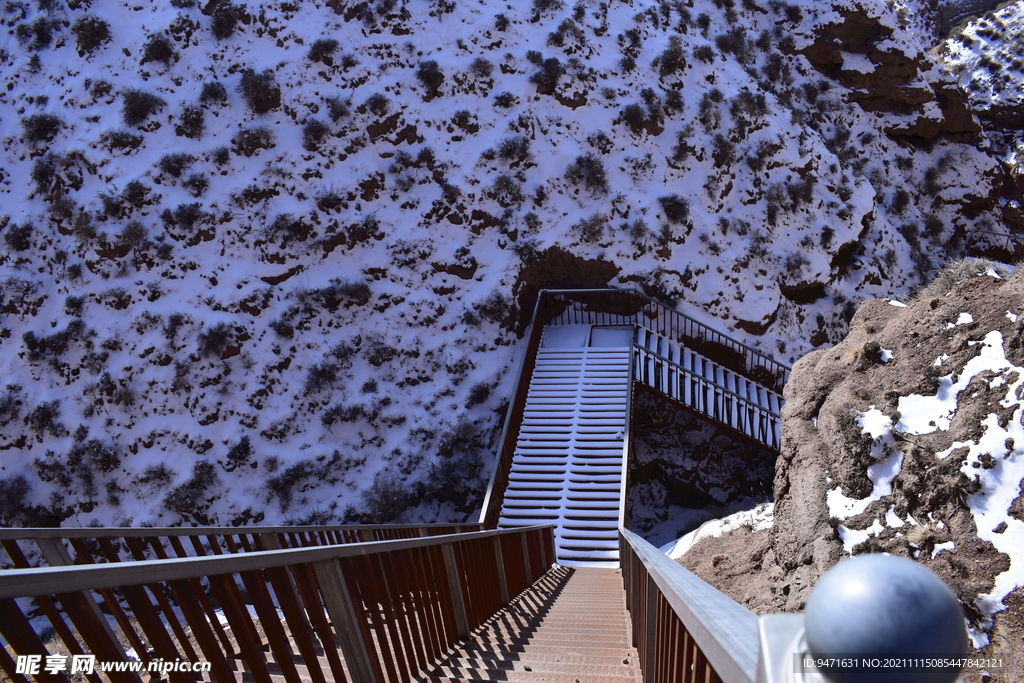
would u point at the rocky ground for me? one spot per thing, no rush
(907, 438)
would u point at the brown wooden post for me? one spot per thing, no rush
(651, 630)
(346, 621)
(526, 559)
(451, 569)
(502, 584)
(56, 555)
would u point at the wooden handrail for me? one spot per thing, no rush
(681, 625)
(87, 545)
(391, 607)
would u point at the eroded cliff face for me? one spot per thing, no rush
(905, 438)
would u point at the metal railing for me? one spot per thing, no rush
(710, 399)
(683, 628)
(27, 547)
(630, 307)
(391, 608)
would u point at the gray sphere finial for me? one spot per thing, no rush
(884, 606)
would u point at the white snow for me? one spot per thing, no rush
(1012, 316)
(924, 414)
(963, 319)
(759, 518)
(899, 304)
(892, 519)
(939, 547)
(886, 355)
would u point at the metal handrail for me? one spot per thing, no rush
(391, 607)
(681, 625)
(753, 357)
(764, 434)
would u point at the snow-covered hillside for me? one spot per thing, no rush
(269, 262)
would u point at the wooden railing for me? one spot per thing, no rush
(513, 421)
(728, 408)
(27, 547)
(389, 607)
(684, 629)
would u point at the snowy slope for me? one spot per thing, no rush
(345, 261)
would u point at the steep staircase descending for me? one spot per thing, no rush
(723, 395)
(567, 466)
(571, 626)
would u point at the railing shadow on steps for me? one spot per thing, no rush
(391, 608)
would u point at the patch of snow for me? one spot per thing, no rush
(900, 304)
(886, 355)
(851, 538)
(940, 360)
(877, 425)
(892, 519)
(924, 414)
(760, 519)
(992, 273)
(1012, 316)
(939, 547)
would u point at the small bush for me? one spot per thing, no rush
(547, 77)
(214, 340)
(336, 108)
(672, 59)
(159, 48)
(634, 116)
(139, 105)
(37, 35)
(505, 100)
(196, 184)
(118, 140)
(495, 307)
(322, 50)
(73, 305)
(386, 499)
(193, 120)
(90, 32)
(430, 75)
(514, 148)
(225, 18)
(704, 53)
(221, 156)
(313, 133)
(191, 499)
(239, 453)
(478, 393)
(213, 91)
(501, 22)
(19, 237)
(43, 418)
(184, 216)
(249, 140)
(135, 193)
(134, 235)
(588, 170)
(676, 208)
(41, 127)
(175, 164)
(283, 328)
(260, 90)
(13, 492)
(378, 104)
(174, 322)
(481, 68)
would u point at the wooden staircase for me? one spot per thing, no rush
(571, 627)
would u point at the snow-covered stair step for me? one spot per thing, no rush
(572, 438)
